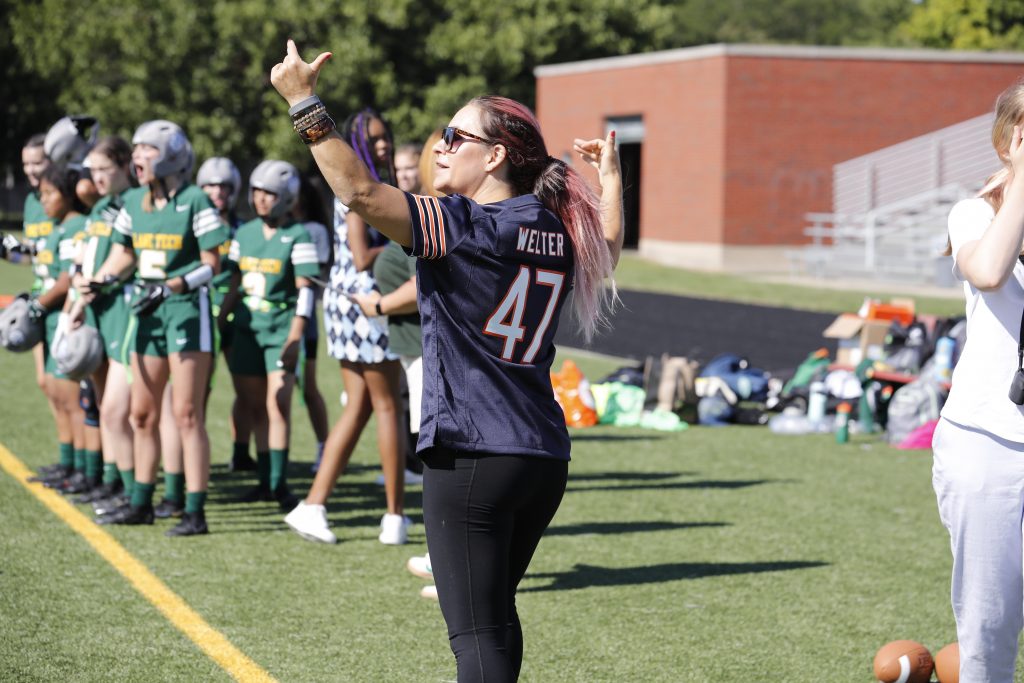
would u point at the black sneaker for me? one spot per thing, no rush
(56, 475)
(242, 463)
(47, 470)
(286, 500)
(76, 483)
(100, 492)
(130, 516)
(106, 506)
(257, 495)
(191, 524)
(168, 508)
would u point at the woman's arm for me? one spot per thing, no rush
(602, 155)
(290, 351)
(988, 262)
(398, 302)
(118, 263)
(381, 205)
(227, 306)
(363, 255)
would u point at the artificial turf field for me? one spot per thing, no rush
(708, 555)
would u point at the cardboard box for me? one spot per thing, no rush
(858, 338)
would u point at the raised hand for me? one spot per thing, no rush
(601, 154)
(294, 79)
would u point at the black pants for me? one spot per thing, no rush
(485, 515)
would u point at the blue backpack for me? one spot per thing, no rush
(749, 384)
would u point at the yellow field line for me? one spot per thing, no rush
(185, 619)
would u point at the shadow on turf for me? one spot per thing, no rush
(635, 476)
(702, 484)
(587, 576)
(626, 527)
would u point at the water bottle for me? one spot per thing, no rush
(843, 423)
(816, 403)
(944, 358)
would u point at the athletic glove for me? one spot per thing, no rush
(35, 310)
(150, 297)
(10, 245)
(104, 286)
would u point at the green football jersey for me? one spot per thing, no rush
(38, 227)
(168, 241)
(222, 280)
(269, 268)
(55, 252)
(99, 228)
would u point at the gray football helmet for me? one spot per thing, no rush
(79, 352)
(279, 178)
(221, 171)
(66, 142)
(176, 157)
(19, 331)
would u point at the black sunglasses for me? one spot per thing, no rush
(450, 135)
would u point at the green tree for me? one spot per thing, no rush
(206, 65)
(967, 24)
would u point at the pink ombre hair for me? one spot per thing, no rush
(565, 193)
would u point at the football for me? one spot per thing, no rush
(947, 664)
(903, 661)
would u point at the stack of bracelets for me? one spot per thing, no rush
(311, 120)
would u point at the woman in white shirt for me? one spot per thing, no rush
(978, 471)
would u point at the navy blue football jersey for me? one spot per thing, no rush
(492, 280)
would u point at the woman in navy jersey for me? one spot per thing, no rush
(498, 256)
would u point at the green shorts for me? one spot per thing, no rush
(250, 356)
(113, 317)
(50, 364)
(183, 322)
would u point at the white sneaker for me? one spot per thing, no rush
(429, 592)
(310, 522)
(420, 566)
(394, 529)
(411, 479)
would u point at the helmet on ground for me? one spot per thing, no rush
(175, 156)
(279, 178)
(19, 331)
(66, 143)
(221, 171)
(79, 352)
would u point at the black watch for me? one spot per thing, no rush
(376, 307)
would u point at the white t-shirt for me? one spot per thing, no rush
(981, 379)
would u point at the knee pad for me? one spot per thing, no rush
(87, 399)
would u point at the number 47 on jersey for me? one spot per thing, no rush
(506, 322)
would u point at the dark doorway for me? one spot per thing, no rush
(629, 155)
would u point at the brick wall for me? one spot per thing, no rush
(738, 147)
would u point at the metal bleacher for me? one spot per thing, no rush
(889, 207)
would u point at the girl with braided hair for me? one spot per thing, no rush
(498, 258)
(370, 371)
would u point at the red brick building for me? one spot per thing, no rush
(728, 146)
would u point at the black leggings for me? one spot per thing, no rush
(485, 515)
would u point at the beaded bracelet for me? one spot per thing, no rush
(316, 130)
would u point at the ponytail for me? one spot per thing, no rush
(566, 194)
(564, 191)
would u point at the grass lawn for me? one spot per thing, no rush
(634, 272)
(726, 554)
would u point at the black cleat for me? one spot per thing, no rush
(55, 476)
(47, 470)
(76, 483)
(168, 508)
(257, 495)
(191, 524)
(242, 463)
(106, 506)
(286, 500)
(100, 492)
(130, 516)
